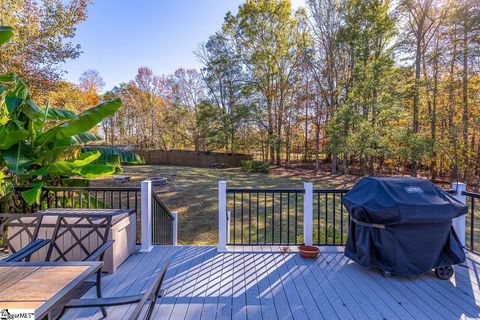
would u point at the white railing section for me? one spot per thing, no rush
(459, 223)
(308, 214)
(146, 218)
(175, 228)
(224, 216)
(147, 221)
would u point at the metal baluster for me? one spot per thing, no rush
(334, 217)
(318, 220)
(472, 221)
(265, 218)
(249, 218)
(288, 217)
(273, 218)
(341, 217)
(241, 213)
(280, 217)
(326, 218)
(296, 217)
(234, 216)
(258, 194)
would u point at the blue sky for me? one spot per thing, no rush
(121, 35)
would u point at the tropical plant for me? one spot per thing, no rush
(41, 146)
(115, 156)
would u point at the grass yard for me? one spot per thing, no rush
(192, 192)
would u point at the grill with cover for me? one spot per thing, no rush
(403, 226)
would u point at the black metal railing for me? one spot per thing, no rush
(94, 197)
(472, 233)
(97, 198)
(265, 216)
(330, 218)
(106, 198)
(162, 222)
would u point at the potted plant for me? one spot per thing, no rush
(309, 252)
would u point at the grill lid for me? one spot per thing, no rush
(394, 200)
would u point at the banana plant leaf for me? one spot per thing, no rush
(67, 167)
(11, 134)
(85, 137)
(16, 158)
(32, 196)
(7, 78)
(83, 122)
(31, 110)
(5, 34)
(115, 156)
(59, 114)
(94, 171)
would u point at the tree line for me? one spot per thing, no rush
(362, 86)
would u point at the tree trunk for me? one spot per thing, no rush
(450, 104)
(334, 162)
(465, 98)
(433, 117)
(415, 122)
(317, 147)
(305, 152)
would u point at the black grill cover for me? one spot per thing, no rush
(417, 218)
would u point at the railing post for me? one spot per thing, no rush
(175, 228)
(146, 215)
(459, 223)
(308, 213)
(222, 216)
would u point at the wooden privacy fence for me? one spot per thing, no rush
(193, 158)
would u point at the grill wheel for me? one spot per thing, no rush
(444, 273)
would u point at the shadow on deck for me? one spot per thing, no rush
(257, 283)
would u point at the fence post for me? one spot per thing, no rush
(308, 213)
(146, 215)
(459, 223)
(222, 216)
(175, 228)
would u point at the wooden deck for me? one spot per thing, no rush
(260, 284)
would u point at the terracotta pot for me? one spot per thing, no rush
(309, 252)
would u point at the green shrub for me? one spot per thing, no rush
(255, 166)
(330, 238)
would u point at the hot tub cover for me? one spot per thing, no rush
(402, 225)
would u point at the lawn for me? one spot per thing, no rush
(192, 192)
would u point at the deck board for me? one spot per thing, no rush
(261, 282)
